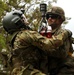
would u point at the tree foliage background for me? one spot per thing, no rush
(32, 12)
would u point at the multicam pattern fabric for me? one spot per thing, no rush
(28, 70)
(29, 47)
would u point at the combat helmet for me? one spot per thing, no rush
(57, 10)
(12, 21)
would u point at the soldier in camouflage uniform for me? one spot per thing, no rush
(30, 49)
(25, 57)
(60, 52)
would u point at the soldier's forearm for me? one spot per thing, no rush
(48, 44)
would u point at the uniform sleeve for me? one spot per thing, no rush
(48, 44)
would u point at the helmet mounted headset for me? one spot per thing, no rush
(12, 21)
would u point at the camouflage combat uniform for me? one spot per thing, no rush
(26, 58)
(29, 47)
(60, 59)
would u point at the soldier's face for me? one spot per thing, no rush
(53, 20)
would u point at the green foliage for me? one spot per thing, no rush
(3, 7)
(2, 42)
